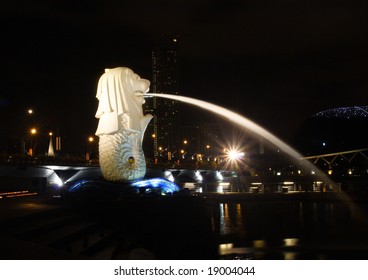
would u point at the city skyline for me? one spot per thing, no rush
(275, 63)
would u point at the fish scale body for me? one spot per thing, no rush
(115, 150)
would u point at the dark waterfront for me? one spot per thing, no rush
(300, 228)
(257, 226)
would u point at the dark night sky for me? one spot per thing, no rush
(275, 62)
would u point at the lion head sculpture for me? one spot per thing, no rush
(119, 92)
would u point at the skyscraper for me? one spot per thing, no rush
(164, 127)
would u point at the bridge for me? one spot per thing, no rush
(334, 156)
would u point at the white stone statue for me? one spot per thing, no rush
(121, 124)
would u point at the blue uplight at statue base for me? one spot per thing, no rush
(157, 186)
(165, 186)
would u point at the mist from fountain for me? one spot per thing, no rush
(250, 125)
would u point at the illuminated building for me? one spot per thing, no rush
(164, 125)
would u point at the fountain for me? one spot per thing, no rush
(247, 124)
(121, 128)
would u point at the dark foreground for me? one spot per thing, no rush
(187, 227)
(163, 228)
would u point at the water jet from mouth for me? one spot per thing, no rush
(249, 125)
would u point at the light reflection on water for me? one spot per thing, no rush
(290, 230)
(231, 222)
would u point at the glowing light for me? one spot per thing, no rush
(13, 193)
(225, 246)
(259, 243)
(58, 182)
(17, 194)
(25, 194)
(170, 178)
(219, 176)
(290, 242)
(160, 185)
(77, 185)
(166, 186)
(199, 177)
(234, 154)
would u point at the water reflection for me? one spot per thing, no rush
(231, 219)
(291, 230)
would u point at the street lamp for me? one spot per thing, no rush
(234, 155)
(32, 148)
(51, 152)
(89, 152)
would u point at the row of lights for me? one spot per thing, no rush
(182, 151)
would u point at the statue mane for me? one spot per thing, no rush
(116, 92)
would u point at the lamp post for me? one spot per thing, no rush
(155, 152)
(27, 123)
(50, 151)
(160, 151)
(89, 151)
(32, 146)
(185, 147)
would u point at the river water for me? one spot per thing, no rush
(290, 229)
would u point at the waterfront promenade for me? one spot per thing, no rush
(235, 212)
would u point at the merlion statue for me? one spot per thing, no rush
(121, 124)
